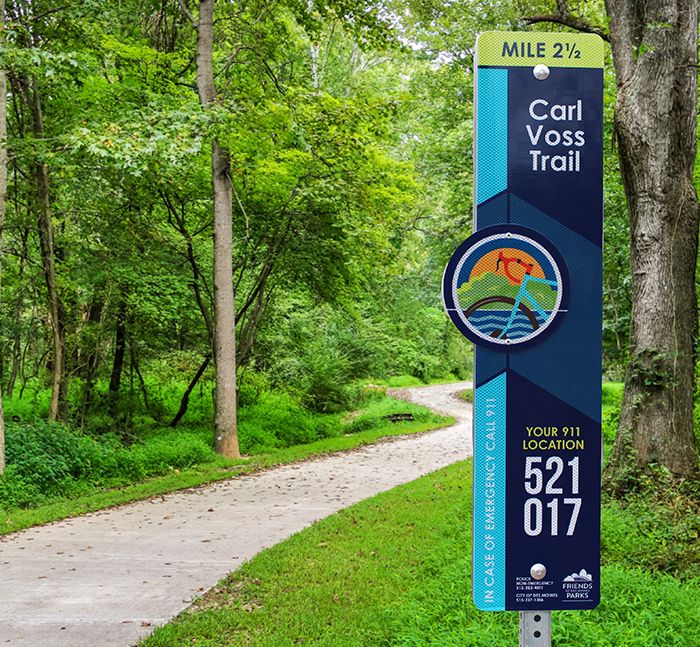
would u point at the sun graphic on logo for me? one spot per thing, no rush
(510, 262)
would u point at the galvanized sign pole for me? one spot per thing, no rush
(535, 629)
(526, 288)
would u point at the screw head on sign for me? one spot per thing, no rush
(538, 571)
(540, 71)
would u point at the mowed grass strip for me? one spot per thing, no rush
(395, 570)
(371, 428)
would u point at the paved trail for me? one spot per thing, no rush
(109, 578)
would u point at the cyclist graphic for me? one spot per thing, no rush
(502, 258)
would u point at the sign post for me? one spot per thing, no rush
(526, 288)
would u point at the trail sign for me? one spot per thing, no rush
(526, 288)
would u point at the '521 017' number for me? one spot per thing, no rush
(536, 482)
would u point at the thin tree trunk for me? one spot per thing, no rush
(253, 311)
(225, 424)
(94, 317)
(19, 306)
(55, 308)
(655, 48)
(177, 220)
(3, 194)
(184, 403)
(142, 382)
(119, 350)
(314, 49)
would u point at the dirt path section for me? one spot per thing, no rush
(109, 578)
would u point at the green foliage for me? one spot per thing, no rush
(47, 460)
(323, 200)
(34, 403)
(612, 394)
(376, 413)
(398, 381)
(325, 377)
(50, 455)
(612, 399)
(276, 420)
(83, 472)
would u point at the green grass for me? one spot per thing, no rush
(467, 395)
(87, 497)
(395, 570)
(401, 381)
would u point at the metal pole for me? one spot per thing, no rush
(535, 628)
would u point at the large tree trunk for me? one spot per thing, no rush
(3, 192)
(225, 425)
(655, 49)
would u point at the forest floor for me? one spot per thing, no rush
(110, 577)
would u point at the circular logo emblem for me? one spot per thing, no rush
(504, 286)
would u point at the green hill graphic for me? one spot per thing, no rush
(490, 284)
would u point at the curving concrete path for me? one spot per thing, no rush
(109, 578)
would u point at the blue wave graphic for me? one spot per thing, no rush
(488, 321)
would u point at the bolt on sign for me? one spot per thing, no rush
(526, 288)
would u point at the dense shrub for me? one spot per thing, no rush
(278, 420)
(325, 383)
(253, 438)
(46, 454)
(52, 459)
(318, 351)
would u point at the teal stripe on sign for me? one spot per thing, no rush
(491, 133)
(489, 554)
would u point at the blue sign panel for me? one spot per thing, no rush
(526, 288)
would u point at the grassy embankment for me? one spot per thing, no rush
(395, 570)
(55, 471)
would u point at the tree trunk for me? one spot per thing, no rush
(19, 306)
(655, 52)
(3, 193)
(115, 379)
(185, 401)
(94, 319)
(225, 425)
(55, 307)
(30, 90)
(142, 383)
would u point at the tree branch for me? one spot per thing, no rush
(565, 18)
(186, 11)
(48, 12)
(270, 73)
